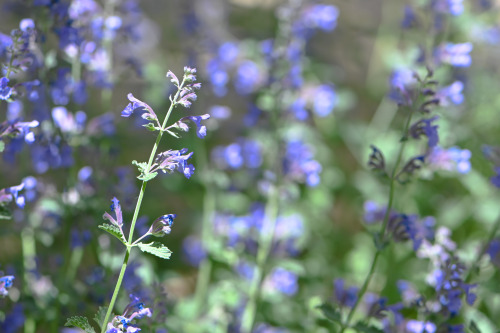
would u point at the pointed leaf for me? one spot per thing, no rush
(2, 146)
(5, 213)
(473, 327)
(364, 328)
(100, 315)
(147, 177)
(331, 313)
(115, 231)
(156, 248)
(80, 322)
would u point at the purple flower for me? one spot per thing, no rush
(116, 208)
(345, 297)
(323, 17)
(5, 90)
(5, 283)
(171, 160)
(451, 93)
(248, 77)
(454, 54)
(426, 128)
(284, 281)
(162, 225)
(201, 130)
(493, 251)
(299, 165)
(451, 159)
(245, 152)
(137, 104)
(453, 7)
(417, 326)
(324, 100)
(193, 250)
(228, 52)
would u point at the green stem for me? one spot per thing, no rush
(379, 250)
(136, 211)
(29, 266)
(265, 243)
(492, 234)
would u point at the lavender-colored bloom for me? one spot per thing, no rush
(375, 213)
(493, 251)
(324, 100)
(201, 131)
(5, 90)
(451, 93)
(218, 77)
(298, 109)
(171, 160)
(299, 165)
(5, 283)
(417, 326)
(424, 127)
(453, 7)
(248, 77)
(246, 270)
(66, 121)
(193, 250)
(451, 159)
(454, 54)
(345, 296)
(220, 112)
(137, 104)
(228, 52)
(409, 19)
(323, 17)
(116, 208)
(495, 180)
(162, 225)
(14, 320)
(245, 152)
(284, 281)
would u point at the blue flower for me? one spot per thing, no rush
(454, 54)
(5, 283)
(171, 160)
(451, 159)
(284, 281)
(324, 100)
(5, 90)
(116, 208)
(424, 127)
(248, 77)
(299, 164)
(451, 93)
(137, 104)
(162, 226)
(193, 250)
(201, 130)
(345, 297)
(323, 17)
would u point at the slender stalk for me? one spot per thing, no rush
(379, 250)
(481, 253)
(265, 243)
(136, 212)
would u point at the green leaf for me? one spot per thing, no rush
(156, 248)
(151, 127)
(100, 315)
(473, 327)
(80, 322)
(2, 146)
(114, 230)
(331, 313)
(147, 177)
(5, 213)
(361, 327)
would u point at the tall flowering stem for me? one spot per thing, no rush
(382, 238)
(130, 243)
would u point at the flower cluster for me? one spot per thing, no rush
(126, 322)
